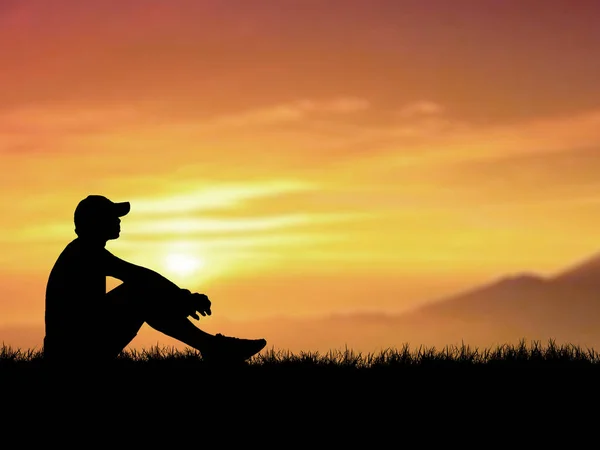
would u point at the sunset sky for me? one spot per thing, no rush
(299, 157)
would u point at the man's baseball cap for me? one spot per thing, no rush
(98, 207)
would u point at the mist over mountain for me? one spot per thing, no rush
(564, 307)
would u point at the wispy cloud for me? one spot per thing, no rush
(217, 197)
(422, 108)
(60, 119)
(446, 142)
(200, 226)
(288, 112)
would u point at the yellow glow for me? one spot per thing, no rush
(183, 265)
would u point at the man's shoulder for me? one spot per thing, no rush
(72, 248)
(77, 250)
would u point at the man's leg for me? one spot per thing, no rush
(165, 314)
(136, 306)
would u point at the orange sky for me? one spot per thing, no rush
(300, 157)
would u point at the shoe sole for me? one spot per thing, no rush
(228, 359)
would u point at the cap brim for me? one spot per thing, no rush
(122, 208)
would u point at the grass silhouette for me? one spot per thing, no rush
(508, 355)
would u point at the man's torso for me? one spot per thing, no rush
(76, 289)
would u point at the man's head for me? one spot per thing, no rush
(98, 217)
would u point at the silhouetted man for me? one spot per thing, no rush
(85, 322)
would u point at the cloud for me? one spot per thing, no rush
(343, 105)
(189, 209)
(447, 142)
(23, 128)
(178, 226)
(423, 134)
(217, 197)
(60, 119)
(422, 108)
(288, 112)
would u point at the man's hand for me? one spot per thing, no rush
(196, 303)
(202, 303)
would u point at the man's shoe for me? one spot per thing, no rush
(232, 349)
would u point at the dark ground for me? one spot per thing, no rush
(289, 407)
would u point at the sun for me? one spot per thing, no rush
(183, 265)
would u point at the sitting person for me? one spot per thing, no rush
(84, 322)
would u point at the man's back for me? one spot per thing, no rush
(76, 287)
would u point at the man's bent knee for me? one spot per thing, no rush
(143, 302)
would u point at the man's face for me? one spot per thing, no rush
(113, 228)
(106, 228)
(102, 226)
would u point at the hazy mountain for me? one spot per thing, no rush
(586, 272)
(564, 307)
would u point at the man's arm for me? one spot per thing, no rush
(150, 279)
(132, 273)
